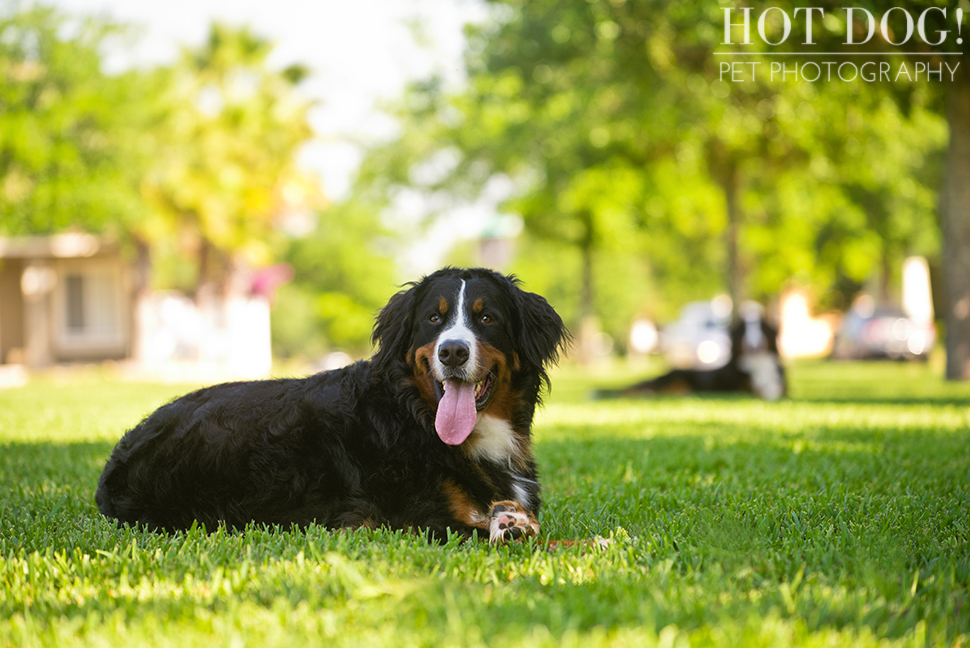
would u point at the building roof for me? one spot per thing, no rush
(70, 245)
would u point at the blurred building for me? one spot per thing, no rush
(63, 298)
(71, 298)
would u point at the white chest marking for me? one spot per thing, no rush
(765, 374)
(753, 336)
(492, 439)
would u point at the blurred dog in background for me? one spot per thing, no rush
(754, 366)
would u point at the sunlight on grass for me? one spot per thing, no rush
(838, 517)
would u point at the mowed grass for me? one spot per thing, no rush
(839, 517)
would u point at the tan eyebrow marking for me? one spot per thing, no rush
(442, 305)
(478, 306)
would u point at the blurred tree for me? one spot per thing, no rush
(615, 124)
(859, 202)
(548, 106)
(225, 169)
(724, 148)
(66, 158)
(344, 274)
(197, 157)
(936, 44)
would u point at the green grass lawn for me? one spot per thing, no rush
(840, 517)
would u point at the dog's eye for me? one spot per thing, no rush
(435, 318)
(486, 318)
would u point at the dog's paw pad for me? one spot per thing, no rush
(509, 521)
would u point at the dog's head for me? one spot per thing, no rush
(471, 342)
(754, 349)
(752, 334)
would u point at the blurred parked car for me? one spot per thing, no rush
(699, 339)
(882, 332)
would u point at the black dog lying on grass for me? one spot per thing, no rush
(433, 433)
(753, 367)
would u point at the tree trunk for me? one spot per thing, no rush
(203, 268)
(885, 273)
(587, 307)
(140, 292)
(728, 179)
(955, 205)
(588, 323)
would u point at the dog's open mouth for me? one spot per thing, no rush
(458, 405)
(483, 390)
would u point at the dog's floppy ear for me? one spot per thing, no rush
(392, 328)
(540, 334)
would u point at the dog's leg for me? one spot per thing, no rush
(509, 521)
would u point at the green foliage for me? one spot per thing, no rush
(839, 517)
(66, 149)
(554, 269)
(224, 169)
(343, 279)
(294, 324)
(198, 159)
(865, 199)
(621, 139)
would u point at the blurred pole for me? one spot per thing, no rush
(956, 229)
(37, 282)
(726, 175)
(917, 291)
(589, 326)
(141, 280)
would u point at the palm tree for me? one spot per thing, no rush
(226, 167)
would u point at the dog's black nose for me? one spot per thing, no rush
(453, 353)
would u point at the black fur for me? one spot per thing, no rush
(345, 448)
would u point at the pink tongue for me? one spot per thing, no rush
(456, 412)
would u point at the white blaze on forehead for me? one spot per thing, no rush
(457, 329)
(753, 335)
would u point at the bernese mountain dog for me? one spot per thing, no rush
(754, 366)
(432, 434)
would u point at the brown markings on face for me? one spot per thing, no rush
(462, 506)
(442, 305)
(478, 305)
(422, 374)
(505, 402)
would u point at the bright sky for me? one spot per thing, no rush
(360, 51)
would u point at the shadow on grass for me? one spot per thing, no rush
(840, 501)
(849, 397)
(956, 401)
(47, 463)
(716, 514)
(47, 495)
(667, 486)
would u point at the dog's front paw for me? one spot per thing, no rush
(510, 521)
